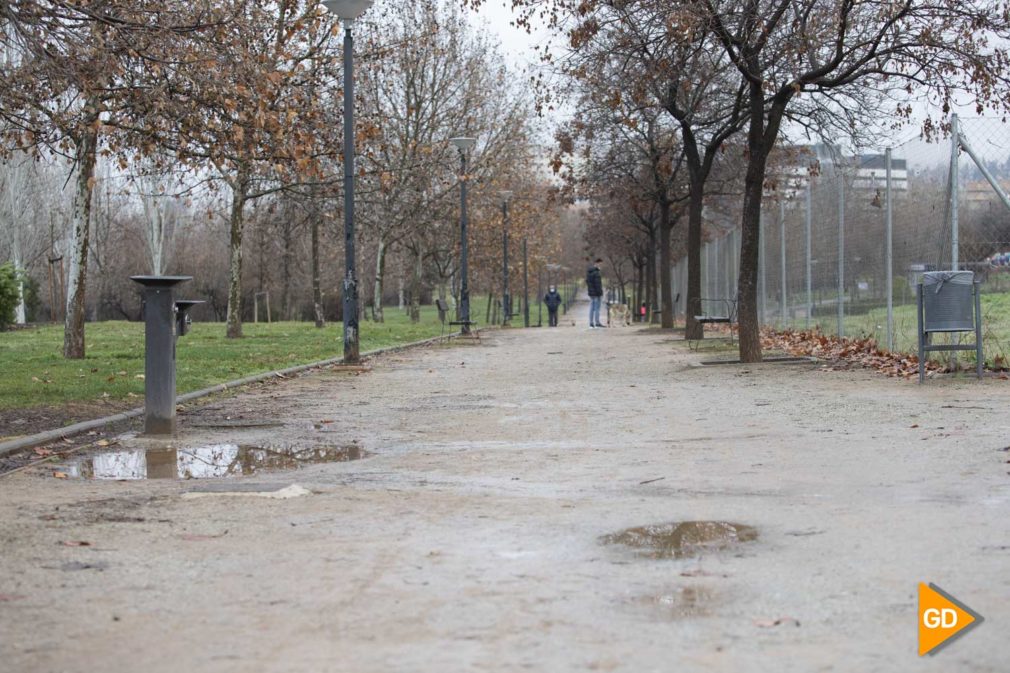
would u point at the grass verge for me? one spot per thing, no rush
(36, 374)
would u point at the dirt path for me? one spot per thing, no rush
(469, 539)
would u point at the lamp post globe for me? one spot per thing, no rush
(463, 144)
(347, 11)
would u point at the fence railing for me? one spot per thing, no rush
(843, 245)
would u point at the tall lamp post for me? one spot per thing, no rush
(464, 145)
(526, 286)
(506, 299)
(347, 11)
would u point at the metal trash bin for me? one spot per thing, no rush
(948, 301)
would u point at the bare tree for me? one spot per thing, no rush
(829, 64)
(69, 73)
(260, 118)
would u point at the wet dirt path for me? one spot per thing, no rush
(472, 535)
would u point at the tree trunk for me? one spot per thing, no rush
(401, 290)
(665, 265)
(443, 292)
(286, 257)
(380, 272)
(158, 254)
(650, 275)
(19, 312)
(317, 288)
(73, 326)
(750, 329)
(760, 139)
(639, 288)
(234, 320)
(415, 286)
(694, 329)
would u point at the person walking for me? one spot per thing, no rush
(553, 300)
(594, 284)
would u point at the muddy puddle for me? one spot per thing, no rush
(683, 539)
(205, 462)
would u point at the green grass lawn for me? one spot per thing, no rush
(35, 373)
(995, 327)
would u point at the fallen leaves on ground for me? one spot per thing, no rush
(842, 352)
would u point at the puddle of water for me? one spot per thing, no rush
(682, 539)
(679, 603)
(206, 462)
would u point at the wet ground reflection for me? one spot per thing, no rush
(205, 462)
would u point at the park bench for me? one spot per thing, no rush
(716, 311)
(443, 312)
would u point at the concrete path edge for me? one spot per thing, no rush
(84, 426)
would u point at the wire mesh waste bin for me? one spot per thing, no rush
(948, 301)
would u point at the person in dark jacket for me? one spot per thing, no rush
(553, 301)
(594, 284)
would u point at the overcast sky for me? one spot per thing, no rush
(518, 46)
(520, 50)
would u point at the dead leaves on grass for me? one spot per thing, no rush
(843, 353)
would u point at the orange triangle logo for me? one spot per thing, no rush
(942, 619)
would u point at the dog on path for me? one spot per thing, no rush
(618, 314)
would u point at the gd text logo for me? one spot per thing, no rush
(942, 619)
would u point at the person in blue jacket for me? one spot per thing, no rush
(553, 300)
(594, 284)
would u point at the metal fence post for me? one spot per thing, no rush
(955, 139)
(784, 302)
(841, 254)
(889, 253)
(809, 267)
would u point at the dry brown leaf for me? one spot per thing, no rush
(769, 623)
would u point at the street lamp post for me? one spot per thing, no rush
(526, 285)
(463, 144)
(347, 11)
(540, 296)
(506, 299)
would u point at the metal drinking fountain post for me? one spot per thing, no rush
(159, 352)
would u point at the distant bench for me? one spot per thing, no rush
(469, 326)
(715, 311)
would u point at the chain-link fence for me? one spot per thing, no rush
(837, 241)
